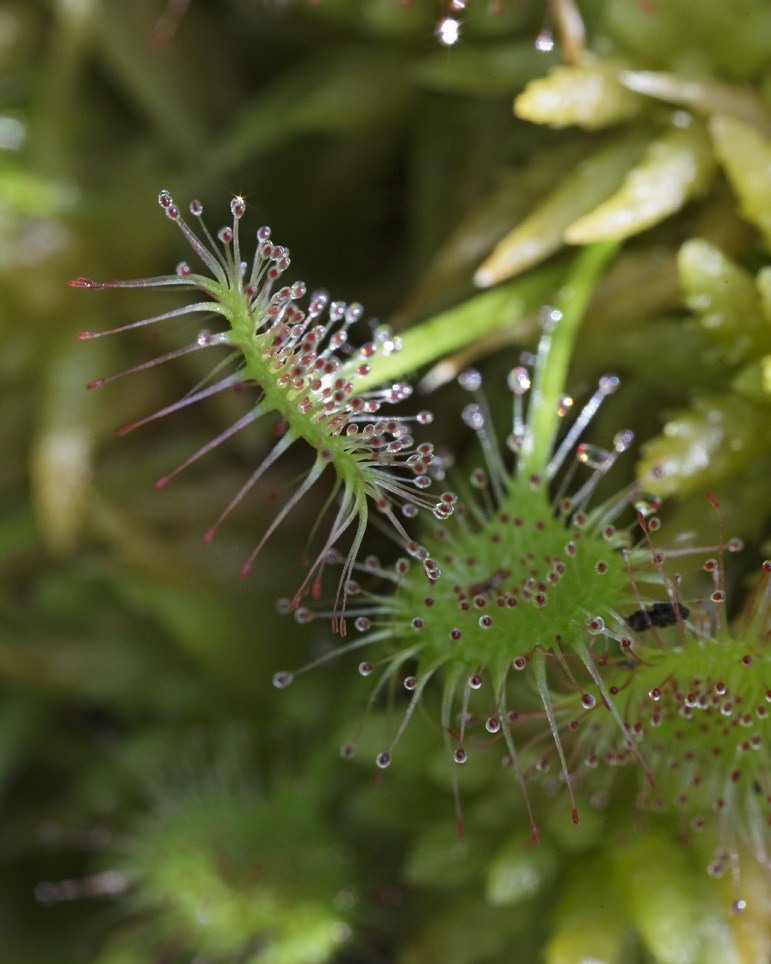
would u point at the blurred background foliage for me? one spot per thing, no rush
(161, 802)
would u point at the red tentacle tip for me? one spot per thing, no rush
(209, 536)
(343, 630)
(460, 830)
(245, 570)
(534, 833)
(96, 384)
(334, 624)
(316, 589)
(161, 482)
(575, 815)
(83, 283)
(124, 430)
(83, 335)
(712, 499)
(304, 559)
(651, 779)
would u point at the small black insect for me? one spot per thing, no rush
(659, 616)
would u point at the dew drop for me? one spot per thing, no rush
(493, 725)
(470, 379)
(519, 663)
(410, 683)
(595, 625)
(544, 42)
(460, 755)
(348, 751)
(382, 760)
(365, 669)
(588, 701)
(475, 682)
(518, 380)
(592, 455)
(485, 621)
(282, 680)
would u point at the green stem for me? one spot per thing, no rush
(572, 301)
(453, 330)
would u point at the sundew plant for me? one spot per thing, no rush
(431, 630)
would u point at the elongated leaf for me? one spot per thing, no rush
(448, 279)
(454, 329)
(677, 167)
(541, 233)
(705, 96)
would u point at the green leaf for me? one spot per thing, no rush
(676, 912)
(677, 166)
(724, 298)
(717, 437)
(516, 873)
(447, 280)
(746, 158)
(705, 96)
(577, 936)
(590, 96)
(452, 330)
(541, 232)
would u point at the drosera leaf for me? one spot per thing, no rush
(460, 326)
(715, 438)
(705, 96)
(590, 96)
(724, 298)
(540, 234)
(746, 158)
(677, 167)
